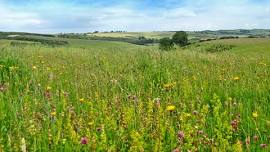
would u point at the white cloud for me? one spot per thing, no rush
(13, 19)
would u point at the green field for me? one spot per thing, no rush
(114, 96)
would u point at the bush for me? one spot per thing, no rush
(229, 37)
(218, 48)
(180, 38)
(165, 44)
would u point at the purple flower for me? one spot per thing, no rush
(84, 140)
(180, 135)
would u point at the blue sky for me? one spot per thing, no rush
(54, 16)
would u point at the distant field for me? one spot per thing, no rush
(91, 95)
(245, 46)
(154, 35)
(192, 34)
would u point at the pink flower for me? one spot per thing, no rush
(263, 145)
(84, 140)
(255, 138)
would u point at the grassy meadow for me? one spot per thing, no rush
(114, 96)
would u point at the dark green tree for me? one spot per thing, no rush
(165, 44)
(180, 38)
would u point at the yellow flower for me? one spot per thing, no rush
(236, 78)
(170, 108)
(53, 113)
(23, 145)
(255, 114)
(169, 86)
(264, 64)
(82, 100)
(49, 88)
(34, 67)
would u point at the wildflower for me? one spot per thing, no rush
(64, 141)
(176, 150)
(34, 67)
(84, 140)
(53, 113)
(23, 145)
(238, 146)
(255, 138)
(248, 141)
(170, 108)
(234, 124)
(99, 129)
(3, 87)
(264, 64)
(186, 115)
(157, 101)
(13, 68)
(82, 100)
(263, 145)
(113, 81)
(255, 115)
(48, 88)
(132, 97)
(200, 132)
(180, 135)
(236, 78)
(195, 112)
(169, 86)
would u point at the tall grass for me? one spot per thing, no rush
(121, 98)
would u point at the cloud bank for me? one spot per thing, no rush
(54, 16)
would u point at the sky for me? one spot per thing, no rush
(79, 16)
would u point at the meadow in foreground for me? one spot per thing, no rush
(109, 96)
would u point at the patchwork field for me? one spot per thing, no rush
(114, 96)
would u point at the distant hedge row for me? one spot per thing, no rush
(40, 40)
(137, 41)
(140, 41)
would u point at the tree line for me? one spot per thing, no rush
(179, 38)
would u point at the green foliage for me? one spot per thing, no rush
(180, 38)
(165, 44)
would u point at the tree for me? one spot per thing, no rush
(180, 38)
(165, 44)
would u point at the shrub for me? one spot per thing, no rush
(218, 48)
(165, 44)
(180, 38)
